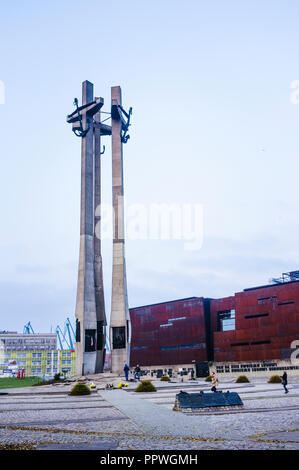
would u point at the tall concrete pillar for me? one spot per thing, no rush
(98, 269)
(85, 303)
(90, 311)
(119, 319)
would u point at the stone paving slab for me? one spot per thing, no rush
(125, 420)
(96, 445)
(288, 436)
(163, 421)
(55, 407)
(143, 442)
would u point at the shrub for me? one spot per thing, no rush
(242, 379)
(146, 386)
(80, 389)
(208, 379)
(274, 379)
(57, 377)
(165, 378)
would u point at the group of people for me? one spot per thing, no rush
(284, 381)
(137, 372)
(214, 380)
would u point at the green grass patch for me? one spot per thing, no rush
(13, 382)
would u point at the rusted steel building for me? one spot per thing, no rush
(266, 322)
(169, 333)
(257, 324)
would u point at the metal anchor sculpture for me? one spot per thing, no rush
(79, 132)
(117, 112)
(75, 118)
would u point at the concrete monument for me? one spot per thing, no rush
(90, 307)
(120, 330)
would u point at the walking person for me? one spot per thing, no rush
(126, 371)
(137, 372)
(284, 381)
(214, 382)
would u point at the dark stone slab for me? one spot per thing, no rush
(42, 422)
(96, 445)
(187, 401)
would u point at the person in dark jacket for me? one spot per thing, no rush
(137, 372)
(284, 381)
(126, 371)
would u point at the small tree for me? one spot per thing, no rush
(165, 378)
(80, 389)
(242, 379)
(208, 379)
(146, 386)
(274, 379)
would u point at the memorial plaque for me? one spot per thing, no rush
(199, 401)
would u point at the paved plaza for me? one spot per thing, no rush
(47, 418)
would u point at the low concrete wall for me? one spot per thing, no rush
(255, 368)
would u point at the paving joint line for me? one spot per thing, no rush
(99, 434)
(57, 409)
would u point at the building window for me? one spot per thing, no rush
(226, 320)
(261, 342)
(264, 300)
(257, 316)
(288, 302)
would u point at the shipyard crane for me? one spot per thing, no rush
(71, 333)
(61, 338)
(28, 329)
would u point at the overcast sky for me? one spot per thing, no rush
(215, 123)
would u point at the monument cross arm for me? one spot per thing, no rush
(90, 108)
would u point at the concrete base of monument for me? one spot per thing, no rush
(203, 402)
(99, 380)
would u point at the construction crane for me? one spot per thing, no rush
(71, 333)
(66, 337)
(61, 338)
(28, 329)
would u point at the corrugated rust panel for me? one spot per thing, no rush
(279, 327)
(174, 332)
(169, 333)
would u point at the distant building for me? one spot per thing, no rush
(38, 362)
(13, 341)
(256, 330)
(37, 354)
